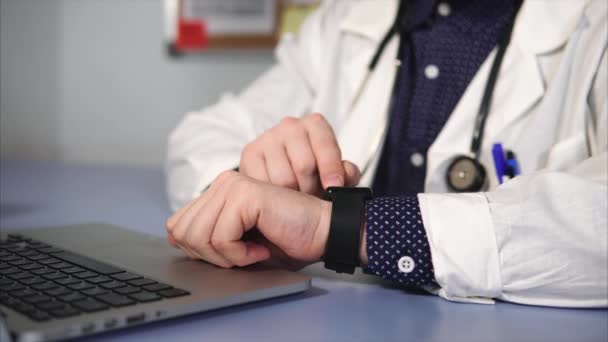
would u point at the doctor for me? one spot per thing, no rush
(414, 96)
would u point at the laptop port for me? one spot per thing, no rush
(110, 323)
(134, 319)
(88, 328)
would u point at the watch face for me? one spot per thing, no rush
(465, 174)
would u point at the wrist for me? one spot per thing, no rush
(363, 246)
(322, 231)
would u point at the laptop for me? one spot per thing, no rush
(71, 281)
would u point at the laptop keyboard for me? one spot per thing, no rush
(44, 282)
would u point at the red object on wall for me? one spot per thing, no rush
(191, 34)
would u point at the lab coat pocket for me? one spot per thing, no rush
(567, 153)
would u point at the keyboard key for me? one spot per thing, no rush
(52, 305)
(145, 296)
(95, 291)
(125, 276)
(115, 299)
(48, 261)
(66, 311)
(89, 263)
(37, 257)
(127, 289)
(49, 250)
(20, 275)
(67, 281)
(55, 275)
(31, 266)
(19, 262)
(6, 281)
(9, 270)
(32, 281)
(173, 293)
(61, 265)
(73, 269)
(141, 282)
(90, 305)
(35, 299)
(26, 292)
(11, 287)
(27, 252)
(58, 291)
(39, 316)
(25, 308)
(43, 270)
(83, 285)
(112, 284)
(11, 257)
(45, 286)
(72, 297)
(85, 274)
(157, 287)
(99, 279)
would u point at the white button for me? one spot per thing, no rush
(431, 71)
(417, 159)
(444, 9)
(406, 264)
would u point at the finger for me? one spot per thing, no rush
(253, 164)
(303, 163)
(278, 166)
(353, 175)
(180, 229)
(198, 237)
(326, 150)
(173, 219)
(227, 235)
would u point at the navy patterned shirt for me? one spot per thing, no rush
(446, 44)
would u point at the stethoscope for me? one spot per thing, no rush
(465, 173)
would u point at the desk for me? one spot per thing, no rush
(35, 194)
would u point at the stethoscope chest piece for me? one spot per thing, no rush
(466, 174)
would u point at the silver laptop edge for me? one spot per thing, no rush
(150, 256)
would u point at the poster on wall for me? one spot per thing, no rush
(193, 26)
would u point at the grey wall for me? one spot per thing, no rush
(89, 81)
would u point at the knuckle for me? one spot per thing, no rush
(225, 175)
(289, 122)
(306, 168)
(218, 244)
(316, 118)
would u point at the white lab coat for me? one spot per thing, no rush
(540, 238)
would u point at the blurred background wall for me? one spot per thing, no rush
(89, 81)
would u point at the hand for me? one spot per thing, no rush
(299, 154)
(213, 227)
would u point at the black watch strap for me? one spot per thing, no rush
(343, 242)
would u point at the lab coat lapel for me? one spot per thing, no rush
(542, 27)
(368, 94)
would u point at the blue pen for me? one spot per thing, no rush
(500, 164)
(512, 164)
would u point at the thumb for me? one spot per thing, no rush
(353, 175)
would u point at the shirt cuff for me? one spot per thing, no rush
(397, 246)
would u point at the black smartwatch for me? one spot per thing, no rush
(345, 228)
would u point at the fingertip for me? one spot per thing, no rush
(333, 180)
(257, 252)
(353, 174)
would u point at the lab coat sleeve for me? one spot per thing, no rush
(539, 239)
(209, 141)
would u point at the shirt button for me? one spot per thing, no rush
(444, 9)
(431, 71)
(406, 264)
(417, 159)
